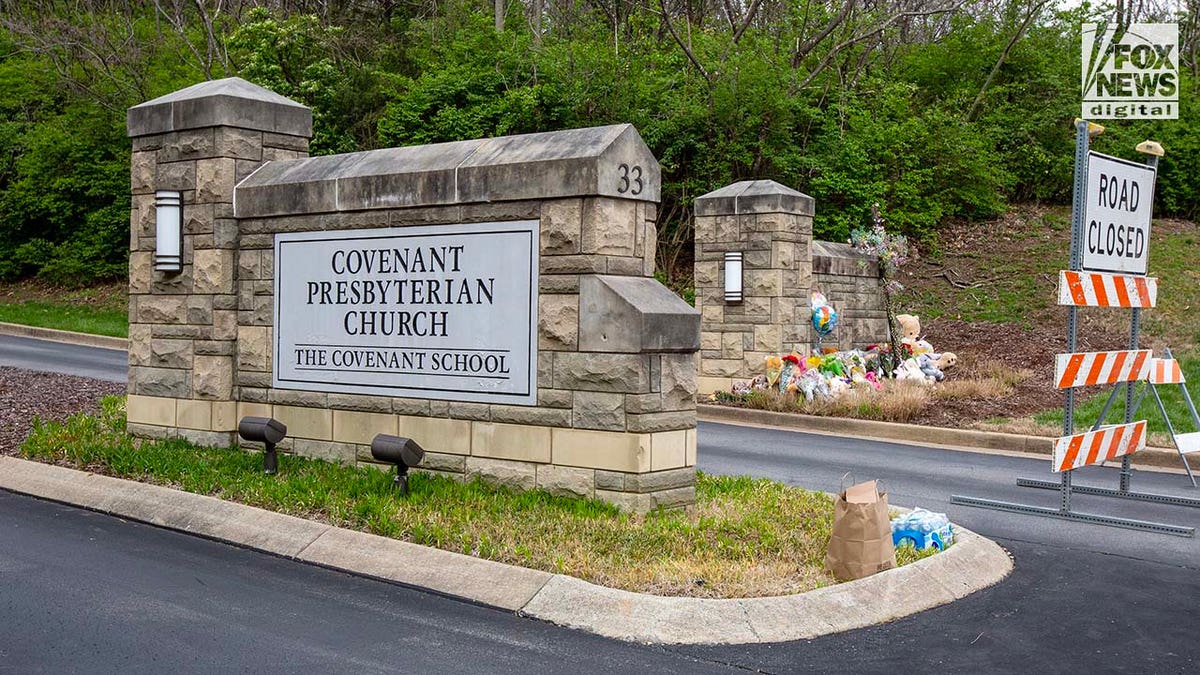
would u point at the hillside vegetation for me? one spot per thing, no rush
(939, 110)
(991, 297)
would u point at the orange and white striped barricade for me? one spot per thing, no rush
(1101, 445)
(1102, 275)
(1166, 371)
(1100, 289)
(1099, 368)
(1095, 368)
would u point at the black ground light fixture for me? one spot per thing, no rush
(403, 452)
(265, 430)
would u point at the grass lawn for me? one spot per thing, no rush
(99, 310)
(64, 317)
(744, 538)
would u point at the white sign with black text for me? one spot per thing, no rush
(443, 312)
(1116, 215)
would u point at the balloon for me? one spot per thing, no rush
(824, 316)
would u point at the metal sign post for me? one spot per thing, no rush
(1120, 253)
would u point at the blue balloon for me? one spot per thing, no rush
(824, 316)
(824, 319)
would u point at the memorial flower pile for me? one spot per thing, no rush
(830, 374)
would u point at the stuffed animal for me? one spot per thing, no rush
(911, 370)
(934, 365)
(946, 360)
(910, 331)
(759, 382)
(910, 327)
(741, 388)
(929, 367)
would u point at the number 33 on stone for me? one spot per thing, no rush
(629, 177)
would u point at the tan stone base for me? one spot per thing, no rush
(638, 471)
(707, 385)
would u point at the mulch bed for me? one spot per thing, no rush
(1018, 347)
(26, 394)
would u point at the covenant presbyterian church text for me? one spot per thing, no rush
(404, 292)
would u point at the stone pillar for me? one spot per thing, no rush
(183, 327)
(771, 225)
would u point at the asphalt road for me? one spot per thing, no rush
(1082, 597)
(84, 592)
(59, 357)
(100, 593)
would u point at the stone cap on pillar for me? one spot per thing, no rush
(231, 102)
(610, 161)
(634, 315)
(754, 196)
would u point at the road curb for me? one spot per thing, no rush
(910, 433)
(972, 564)
(69, 337)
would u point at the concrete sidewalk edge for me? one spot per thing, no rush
(69, 337)
(973, 563)
(915, 434)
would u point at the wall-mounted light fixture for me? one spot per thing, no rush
(733, 276)
(168, 231)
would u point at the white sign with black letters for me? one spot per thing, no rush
(443, 312)
(1116, 215)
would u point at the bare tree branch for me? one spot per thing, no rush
(803, 50)
(687, 50)
(1034, 12)
(891, 21)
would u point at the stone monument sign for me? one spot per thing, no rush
(492, 299)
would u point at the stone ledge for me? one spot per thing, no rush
(634, 315)
(572, 163)
(837, 259)
(635, 452)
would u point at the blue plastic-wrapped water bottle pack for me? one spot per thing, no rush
(923, 529)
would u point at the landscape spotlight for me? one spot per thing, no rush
(403, 452)
(265, 430)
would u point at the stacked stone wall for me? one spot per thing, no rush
(851, 284)
(601, 420)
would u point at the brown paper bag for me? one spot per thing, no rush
(861, 543)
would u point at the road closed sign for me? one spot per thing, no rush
(1116, 215)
